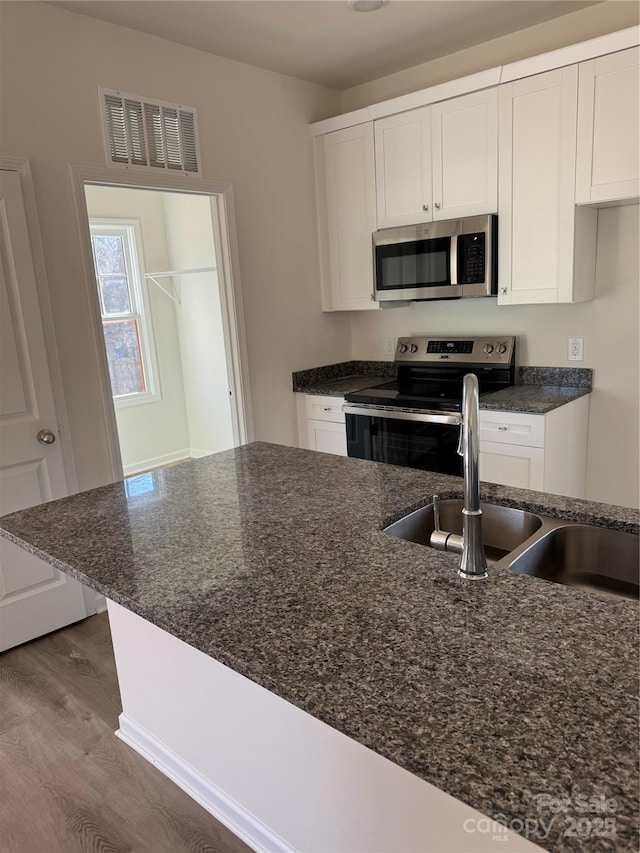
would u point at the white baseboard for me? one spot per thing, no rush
(241, 822)
(157, 462)
(198, 454)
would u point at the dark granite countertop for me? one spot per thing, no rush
(336, 380)
(344, 385)
(272, 561)
(539, 389)
(531, 399)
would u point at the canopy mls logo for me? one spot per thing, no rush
(500, 826)
(582, 817)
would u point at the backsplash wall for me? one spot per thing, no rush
(608, 324)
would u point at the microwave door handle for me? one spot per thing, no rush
(453, 260)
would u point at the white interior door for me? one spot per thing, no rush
(35, 598)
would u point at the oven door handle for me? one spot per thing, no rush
(398, 415)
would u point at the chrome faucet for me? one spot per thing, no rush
(473, 562)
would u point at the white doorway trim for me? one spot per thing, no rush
(23, 168)
(223, 210)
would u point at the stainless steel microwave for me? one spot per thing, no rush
(437, 260)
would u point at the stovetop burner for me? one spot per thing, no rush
(389, 394)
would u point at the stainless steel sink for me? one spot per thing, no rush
(603, 561)
(599, 560)
(503, 528)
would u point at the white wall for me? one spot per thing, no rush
(199, 319)
(253, 128)
(605, 17)
(154, 430)
(608, 324)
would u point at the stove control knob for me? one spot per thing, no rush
(403, 348)
(501, 348)
(413, 348)
(488, 348)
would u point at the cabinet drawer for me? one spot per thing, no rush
(512, 428)
(321, 408)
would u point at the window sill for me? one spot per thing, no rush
(128, 400)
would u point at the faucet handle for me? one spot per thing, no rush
(441, 539)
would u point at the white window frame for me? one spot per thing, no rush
(129, 230)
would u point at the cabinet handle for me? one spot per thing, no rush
(505, 429)
(425, 207)
(503, 290)
(327, 409)
(437, 205)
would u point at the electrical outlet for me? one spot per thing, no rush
(576, 349)
(390, 346)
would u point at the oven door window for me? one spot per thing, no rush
(420, 263)
(412, 444)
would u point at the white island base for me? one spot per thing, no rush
(280, 779)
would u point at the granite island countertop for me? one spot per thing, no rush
(272, 560)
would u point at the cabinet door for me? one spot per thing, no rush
(608, 166)
(327, 437)
(464, 134)
(537, 137)
(349, 172)
(512, 465)
(403, 168)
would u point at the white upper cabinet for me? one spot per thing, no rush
(403, 168)
(608, 166)
(546, 245)
(345, 172)
(464, 138)
(543, 151)
(438, 162)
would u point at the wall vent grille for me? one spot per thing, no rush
(149, 134)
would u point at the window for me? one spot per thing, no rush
(127, 333)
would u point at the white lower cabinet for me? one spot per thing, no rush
(512, 465)
(540, 452)
(321, 424)
(327, 437)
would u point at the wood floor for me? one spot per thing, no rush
(67, 784)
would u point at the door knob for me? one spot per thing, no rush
(45, 436)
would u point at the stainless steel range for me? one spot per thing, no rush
(414, 420)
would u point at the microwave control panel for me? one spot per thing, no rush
(472, 258)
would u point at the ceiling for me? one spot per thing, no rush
(324, 41)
